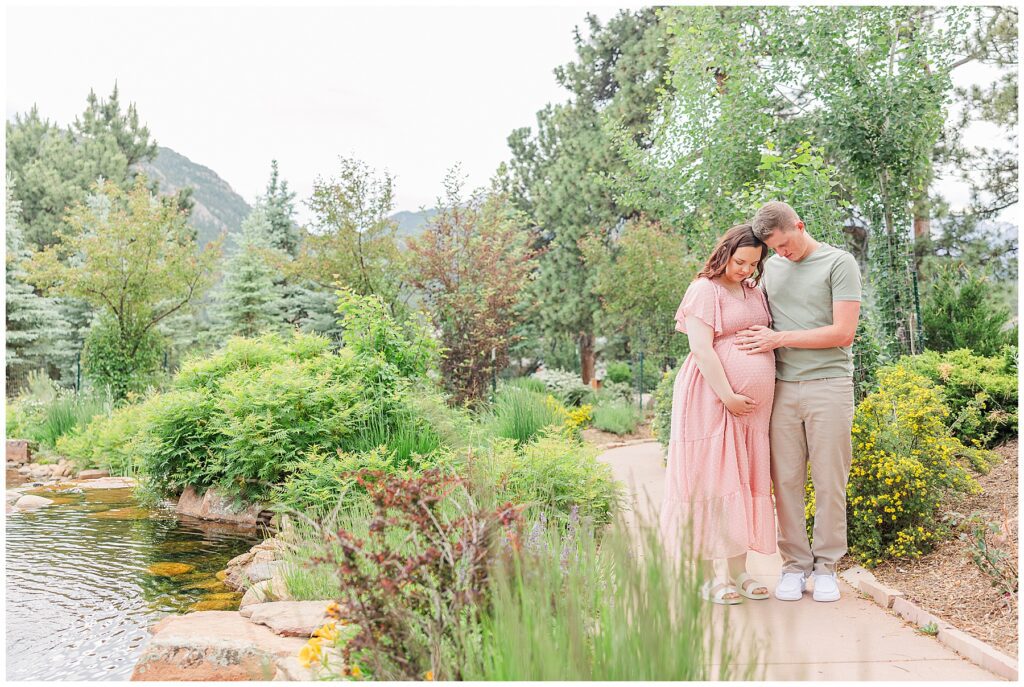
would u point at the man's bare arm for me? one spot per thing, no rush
(760, 339)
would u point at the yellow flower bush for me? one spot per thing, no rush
(904, 462)
(572, 421)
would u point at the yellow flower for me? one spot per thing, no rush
(329, 632)
(356, 672)
(310, 653)
(429, 677)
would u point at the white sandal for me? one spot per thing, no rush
(743, 588)
(716, 593)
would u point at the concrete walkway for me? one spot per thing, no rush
(852, 639)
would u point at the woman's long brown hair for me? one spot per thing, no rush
(740, 236)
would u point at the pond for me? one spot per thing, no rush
(87, 575)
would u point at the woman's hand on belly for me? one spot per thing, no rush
(740, 405)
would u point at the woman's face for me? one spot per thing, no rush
(742, 263)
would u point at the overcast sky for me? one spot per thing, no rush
(409, 89)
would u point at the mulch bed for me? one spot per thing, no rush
(598, 437)
(947, 582)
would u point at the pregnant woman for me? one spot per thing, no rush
(717, 492)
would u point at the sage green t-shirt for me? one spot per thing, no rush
(800, 296)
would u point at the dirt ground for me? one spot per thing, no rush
(598, 437)
(949, 584)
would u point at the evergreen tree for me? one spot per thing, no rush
(249, 301)
(103, 119)
(34, 325)
(279, 206)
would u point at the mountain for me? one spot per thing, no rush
(217, 207)
(412, 223)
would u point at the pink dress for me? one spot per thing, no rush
(718, 479)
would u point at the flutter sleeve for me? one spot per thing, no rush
(701, 301)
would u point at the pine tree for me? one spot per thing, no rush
(249, 302)
(559, 174)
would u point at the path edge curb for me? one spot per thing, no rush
(971, 648)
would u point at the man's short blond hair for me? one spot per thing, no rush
(772, 216)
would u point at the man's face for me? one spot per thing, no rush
(789, 243)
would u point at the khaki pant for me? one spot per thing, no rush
(812, 421)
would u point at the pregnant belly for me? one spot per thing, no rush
(749, 374)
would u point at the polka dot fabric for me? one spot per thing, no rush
(717, 492)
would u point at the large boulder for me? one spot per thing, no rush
(93, 474)
(18, 451)
(213, 506)
(215, 646)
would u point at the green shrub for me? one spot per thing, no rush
(108, 442)
(960, 309)
(617, 418)
(617, 371)
(181, 436)
(552, 473)
(567, 386)
(520, 415)
(323, 481)
(981, 392)
(121, 362)
(904, 464)
(250, 416)
(241, 353)
(370, 330)
(614, 391)
(662, 422)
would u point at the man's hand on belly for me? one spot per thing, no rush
(758, 339)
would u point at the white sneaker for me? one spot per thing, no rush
(826, 587)
(791, 586)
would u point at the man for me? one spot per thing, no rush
(814, 294)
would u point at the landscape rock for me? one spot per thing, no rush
(24, 470)
(263, 570)
(278, 587)
(13, 496)
(257, 594)
(212, 506)
(18, 451)
(291, 670)
(93, 474)
(39, 471)
(30, 502)
(215, 646)
(291, 618)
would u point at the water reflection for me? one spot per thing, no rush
(80, 591)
